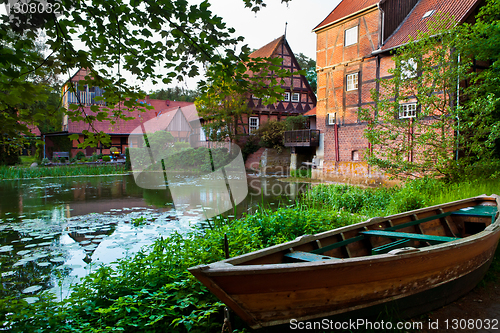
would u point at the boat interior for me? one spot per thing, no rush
(398, 233)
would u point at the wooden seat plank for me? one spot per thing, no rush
(419, 221)
(404, 235)
(307, 256)
(337, 245)
(391, 246)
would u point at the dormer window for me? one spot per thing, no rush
(428, 14)
(351, 36)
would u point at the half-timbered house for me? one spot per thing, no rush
(298, 97)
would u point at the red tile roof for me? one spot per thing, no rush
(126, 127)
(267, 50)
(415, 23)
(311, 112)
(344, 9)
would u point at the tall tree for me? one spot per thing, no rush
(175, 94)
(309, 66)
(26, 98)
(480, 117)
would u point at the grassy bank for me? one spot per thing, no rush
(59, 171)
(153, 292)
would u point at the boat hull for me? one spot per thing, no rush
(413, 280)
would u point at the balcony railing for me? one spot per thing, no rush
(301, 138)
(85, 97)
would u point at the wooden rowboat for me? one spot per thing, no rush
(416, 261)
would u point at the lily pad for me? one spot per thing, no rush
(31, 289)
(31, 300)
(6, 248)
(57, 260)
(43, 264)
(7, 274)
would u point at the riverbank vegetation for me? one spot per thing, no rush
(9, 172)
(152, 291)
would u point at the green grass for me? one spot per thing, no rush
(59, 171)
(27, 160)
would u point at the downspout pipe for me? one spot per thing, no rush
(458, 108)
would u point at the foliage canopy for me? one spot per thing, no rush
(162, 41)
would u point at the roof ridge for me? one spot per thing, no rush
(276, 41)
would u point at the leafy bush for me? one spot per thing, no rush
(128, 165)
(80, 155)
(181, 145)
(296, 123)
(271, 134)
(45, 161)
(106, 158)
(250, 147)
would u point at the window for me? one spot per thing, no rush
(295, 97)
(253, 124)
(408, 69)
(203, 137)
(355, 155)
(408, 111)
(351, 36)
(287, 97)
(331, 118)
(352, 81)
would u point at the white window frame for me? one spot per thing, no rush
(332, 117)
(253, 124)
(203, 136)
(286, 97)
(407, 111)
(351, 36)
(352, 81)
(409, 69)
(295, 97)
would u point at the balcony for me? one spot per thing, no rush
(301, 138)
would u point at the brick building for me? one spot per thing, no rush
(354, 44)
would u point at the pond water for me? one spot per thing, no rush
(55, 231)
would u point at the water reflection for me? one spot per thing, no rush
(65, 226)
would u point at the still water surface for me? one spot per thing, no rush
(55, 231)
